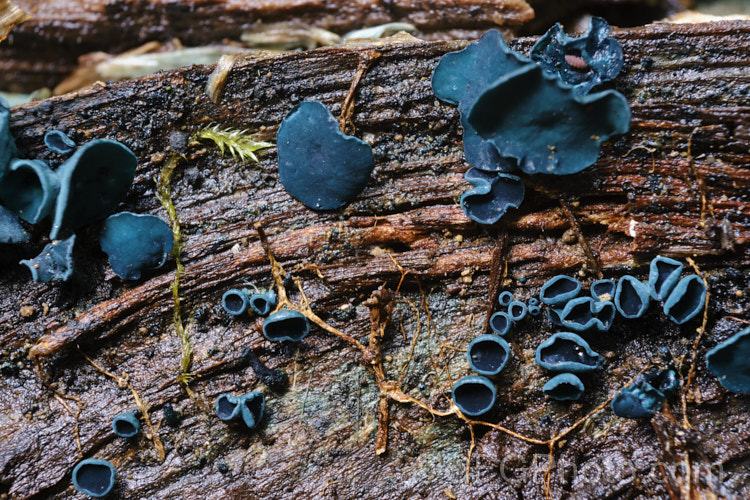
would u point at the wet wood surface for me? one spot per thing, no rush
(676, 184)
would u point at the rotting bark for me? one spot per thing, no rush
(689, 137)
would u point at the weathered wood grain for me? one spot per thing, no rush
(687, 85)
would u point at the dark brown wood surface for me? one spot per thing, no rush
(688, 90)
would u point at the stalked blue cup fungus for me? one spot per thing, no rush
(534, 310)
(531, 116)
(474, 395)
(58, 142)
(11, 230)
(235, 301)
(320, 165)
(567, 352)
(55, 262)
(505, 298)
(500, 323)
(29, 188)
(126, 424)
(686, 299)
(92, 183)
(286, 324)
(135, 243)
(631, 297)
(558, 290)
(263, 303)
(603, 290)
(665, 381)
(729, 361)
(228, 407)
(253, 405)
(488, 355)
(492, 196)
(517, 311)
(582, 62)
(663, 275)
(564, 387)
(7, 144)
(638, 400)
(94, 477)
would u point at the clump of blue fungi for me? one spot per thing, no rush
(568, 355)
(83, 189)
(533, 115)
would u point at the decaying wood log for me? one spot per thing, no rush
(676, 184)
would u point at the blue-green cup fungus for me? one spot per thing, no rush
(92, 183)
(492, 196)
(534, 310)
(30, 189)
(530, 115)
(663, 275)
(474, 395)
(7, 144)
(126, 424)
(319, 165)
(55, 262)
(553, 314)
(252, 405)
(517, 311)
(558, 290)
(632, 297)
(286, 324)
(728, 361)
(135, 243)
(235, 301)
(638, 400)
(583, 313)
(500, 323)
(505, 298)
(686, 299)
(11, 230)
(564, 387)
(583, 62)
(603, 290)
(567, 352)
(228, 407)
(263, 303)
(488, 355)
(94, 477)
(604, 313)
(665, 381)
(58, 142)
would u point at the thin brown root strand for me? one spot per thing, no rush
(496, 278)
(472, 445)
(414, 341)
(548, 473)
(433, 330)
(590, 258)
(694, 350)
(347, 108)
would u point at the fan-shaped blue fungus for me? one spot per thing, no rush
(603, 290)
(11, 230)
(505, 298)
(58, 142)
(517, 310)
(7, 144)
(686, 300)
(286, 324)
(728, 361)
(253, 405)
(94, 477)
(559, 290)
(531, 116)
(126, 424)
(664, 273)
(262, 303)
(492, 195)
(488, 354)
(583, 62)
(631, 297)
(29, 188)
(55, 262)
(92, 182)
(235, 301)
(319, 165)
(135, 243)
(500, 323)
(474, 395)
(638, 400)
(583, 313)
(564, 387)
(228, 407)
(665, 381)
(567, 352)
(534, 310)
